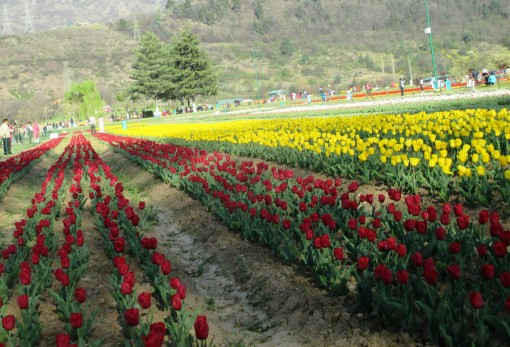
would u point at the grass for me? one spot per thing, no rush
(20, 147)
(415, 107)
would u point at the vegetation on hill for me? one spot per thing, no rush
(259, 45)
(179, 71)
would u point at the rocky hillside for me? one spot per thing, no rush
(51, 14)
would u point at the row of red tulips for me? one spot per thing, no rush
(121, 225)
(27, 263)
(73, 257)
(16, 165)
(416, 266)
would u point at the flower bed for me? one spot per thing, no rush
(461, 153)
(28, 265)
(16, 166)
(415, 266)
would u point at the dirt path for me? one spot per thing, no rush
(247, 293)
(20, 193)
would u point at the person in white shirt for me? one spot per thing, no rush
(5, 134)
(92, 123)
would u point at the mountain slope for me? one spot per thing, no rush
(51, 14)
(255, 45)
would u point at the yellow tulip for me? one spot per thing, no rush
(414, 161)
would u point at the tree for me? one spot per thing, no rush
(287, 48)
(191, 73)
(148, 69)
(87, 97)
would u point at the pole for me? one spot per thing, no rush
(431, 43)
(393, 67)
(256, 73)
(411, 77)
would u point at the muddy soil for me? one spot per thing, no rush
(248, 295)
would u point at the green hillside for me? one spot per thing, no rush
(258, 45)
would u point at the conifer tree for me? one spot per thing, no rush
(191, 71)
(148, 68)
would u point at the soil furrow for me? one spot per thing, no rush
(247, 293)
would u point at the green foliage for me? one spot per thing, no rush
(209, 12)
(86, 96)
(149, 68)
(21, 93)
(192, 75)
(287, 48)
(123, 25)
(258, 9)
(180, 71)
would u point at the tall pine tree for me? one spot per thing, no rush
(149, 69)
(192, 75)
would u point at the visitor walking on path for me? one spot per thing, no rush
(11, 136)
(323, 95)
(5, 134)
(368, 89)
(30, 132)
(37, 132)
(402, 86)
(92, 122)
(349, 94)
(492, 79)
(448, 84)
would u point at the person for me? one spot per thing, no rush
(92, 123)
(22, 133)
(11, 136)
(485, 75)
(37, 132)
(448, 84)
(402, 86)
(349, 94)
(471, 83)
(422, 86)
(492, 79)
(5, 134)
(323, 95)
(29, 131)
(15, 137)
(368, 89)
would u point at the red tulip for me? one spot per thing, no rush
(201, 328)
(132, 316)
(476, 300)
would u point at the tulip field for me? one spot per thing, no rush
(429, 248)
(404, 216)
(15, 165)
(452, 153)
(40, 261)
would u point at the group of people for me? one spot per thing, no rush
(12, 132)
